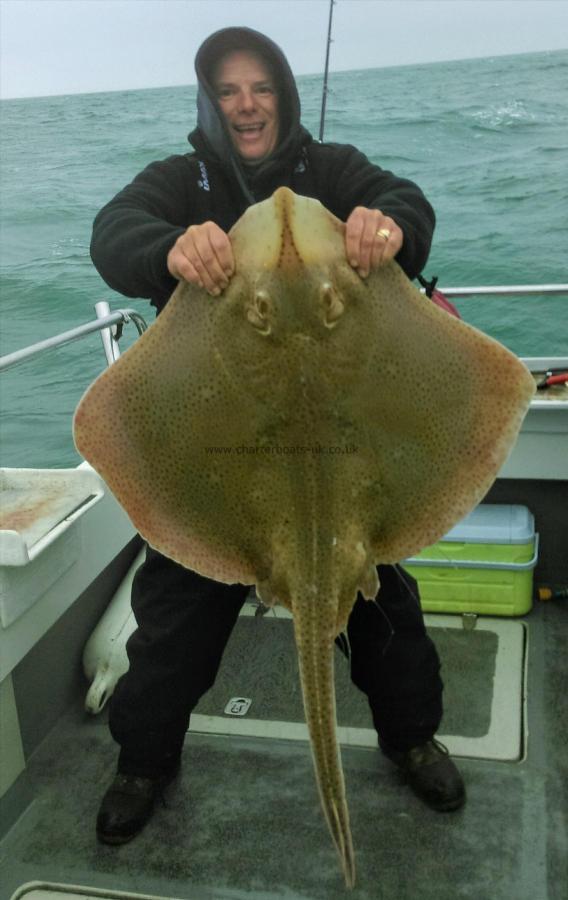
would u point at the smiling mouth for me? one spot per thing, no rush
(254, 128)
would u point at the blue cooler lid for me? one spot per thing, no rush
(494, 523)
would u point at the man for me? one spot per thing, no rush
(171, 223)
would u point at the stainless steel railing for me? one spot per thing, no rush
(109, 324)
(506, 290)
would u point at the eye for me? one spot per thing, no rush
(265, 89)
(259, 310)
(224, 92)
(332, 304)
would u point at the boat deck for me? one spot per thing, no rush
(243, 819)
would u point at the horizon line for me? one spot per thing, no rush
(300, 75)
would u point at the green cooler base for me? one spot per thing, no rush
(490, 592)
(484, 565)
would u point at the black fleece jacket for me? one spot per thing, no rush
(133, 234)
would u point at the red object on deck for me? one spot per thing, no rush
(553, 378)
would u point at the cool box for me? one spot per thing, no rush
(483, 565)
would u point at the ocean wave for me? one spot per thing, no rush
(507, 114)
(551, 151)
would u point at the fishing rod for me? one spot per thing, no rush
(326, 69)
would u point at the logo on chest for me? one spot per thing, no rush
(203, 182)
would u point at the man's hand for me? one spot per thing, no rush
(371, 239)
(203, 255)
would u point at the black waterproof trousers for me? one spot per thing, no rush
(184, 623)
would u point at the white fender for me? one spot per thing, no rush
(104, 656)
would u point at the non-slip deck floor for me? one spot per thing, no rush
(482, 671)
(243, 819)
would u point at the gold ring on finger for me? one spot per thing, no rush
(385, 233)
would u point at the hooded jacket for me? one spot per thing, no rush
(133, 234)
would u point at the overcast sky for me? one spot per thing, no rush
(77, 46)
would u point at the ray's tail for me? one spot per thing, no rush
(316, 654)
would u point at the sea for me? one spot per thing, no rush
(486, 140)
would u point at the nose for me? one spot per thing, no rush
(246, 100)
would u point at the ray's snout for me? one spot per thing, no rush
(290, 259)
(287, 233)
(306, 236)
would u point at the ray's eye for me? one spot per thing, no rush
(262, 303)
(332, 304)
(258, 312)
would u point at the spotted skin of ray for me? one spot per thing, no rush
(300, 429)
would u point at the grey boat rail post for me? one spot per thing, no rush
(107, 323)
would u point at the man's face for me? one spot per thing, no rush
(247, 96)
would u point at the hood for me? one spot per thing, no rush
(212, 135)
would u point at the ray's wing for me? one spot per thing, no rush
(165, 426)
(442, 405)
